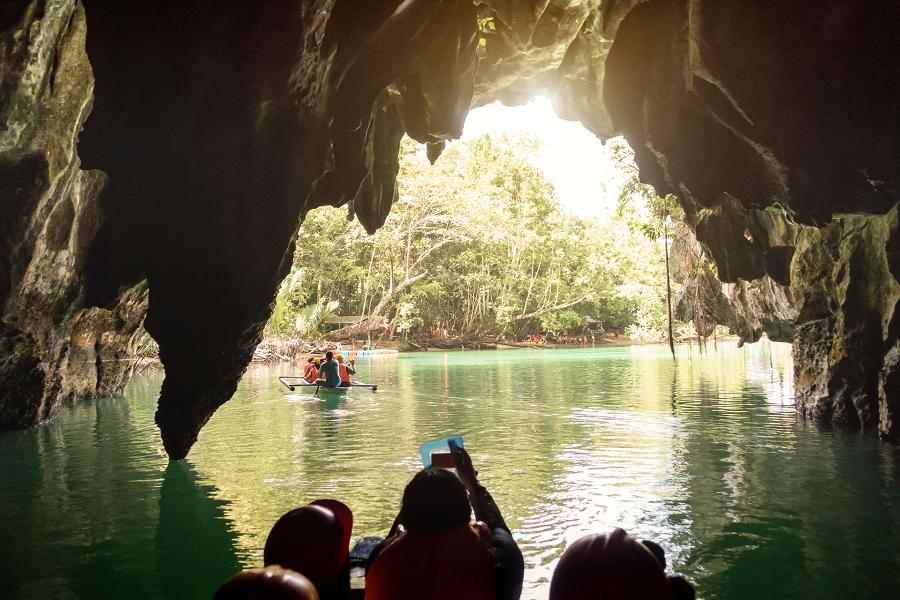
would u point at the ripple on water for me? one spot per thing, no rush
(704, 456)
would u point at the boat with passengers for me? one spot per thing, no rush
(295, 382)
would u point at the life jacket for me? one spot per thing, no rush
(310, 373)
(447, 565)
(345, 375)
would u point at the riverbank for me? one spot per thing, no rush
(273, 351)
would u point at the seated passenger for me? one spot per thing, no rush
(345, 371)
(329, 373)
(433, 551)
(615, 566)
(311, 541)
(310, 371)
(272, 583)
(344, 516)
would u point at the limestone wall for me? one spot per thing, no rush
(51, 346)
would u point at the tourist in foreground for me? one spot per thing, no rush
(615, 566)
(314, 540)
(433, 549)
(271, 583)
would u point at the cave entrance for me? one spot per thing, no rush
(527, 230)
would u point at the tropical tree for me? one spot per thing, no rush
(478, 245)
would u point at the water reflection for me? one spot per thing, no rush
(704, 455)
(194, 543)
(91, 508)
(685, 453)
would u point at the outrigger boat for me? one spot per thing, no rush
(294, 382)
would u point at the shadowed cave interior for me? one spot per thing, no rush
(151, 152)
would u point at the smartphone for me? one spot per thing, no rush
(443, 460)
(444, 446)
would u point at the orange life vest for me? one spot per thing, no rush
(310, 373)
(448, 565)
(345, 375)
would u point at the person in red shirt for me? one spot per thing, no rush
(310, 371)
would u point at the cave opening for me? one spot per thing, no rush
(528, 229)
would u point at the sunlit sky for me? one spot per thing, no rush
(572, 158)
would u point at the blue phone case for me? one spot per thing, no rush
(448, 444)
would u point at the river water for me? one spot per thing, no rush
(705, 456)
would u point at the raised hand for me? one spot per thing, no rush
(464, 468)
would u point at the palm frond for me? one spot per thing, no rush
(310, 319)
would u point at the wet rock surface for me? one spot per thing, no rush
(748, 308)
(845, 363)
(52, 345)
(217, 126)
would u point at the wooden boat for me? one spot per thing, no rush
(294, 382)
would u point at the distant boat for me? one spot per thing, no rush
(367, 351)
(375, 352)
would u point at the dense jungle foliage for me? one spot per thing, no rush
(477, 245)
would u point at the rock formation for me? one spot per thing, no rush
(747, 308)
(219, 125)
(53, 346)
(846, 294)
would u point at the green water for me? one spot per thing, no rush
(706, 457)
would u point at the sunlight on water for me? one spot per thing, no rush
(704, 456)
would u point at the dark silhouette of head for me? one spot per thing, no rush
(309, 540)
(344, 516)
(269, 583)
(434, 500)
(310, 360)
(614, 566)
(329, 355)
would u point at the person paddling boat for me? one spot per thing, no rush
(329, 371)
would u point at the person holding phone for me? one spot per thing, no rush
(345, 370)
(434, 550)
(507, 563)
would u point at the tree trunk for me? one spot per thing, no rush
(543, 311)
(362, 309)
(668, 288)
(372, 321)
